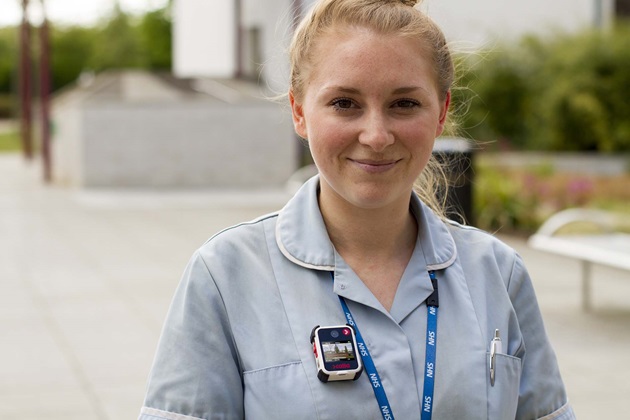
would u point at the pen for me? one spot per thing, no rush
(495, 347)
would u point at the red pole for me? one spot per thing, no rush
(25, 84)
(45, 94)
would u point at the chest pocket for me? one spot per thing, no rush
(278, 392)
(283, 392)
(503, 396)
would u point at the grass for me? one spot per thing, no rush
(10, 142)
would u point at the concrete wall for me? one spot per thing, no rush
(136, 129)
(187, 145)
(584, 163)
(67, 147)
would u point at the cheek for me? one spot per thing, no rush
(418, 135)
(326, 135)
(418, 145)
(321, 147)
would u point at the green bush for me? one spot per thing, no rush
(503, 202)
(8, 57)
(156, 39)
(565, 93)
(7, 106)
(70, 53)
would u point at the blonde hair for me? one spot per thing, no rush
(386, 17)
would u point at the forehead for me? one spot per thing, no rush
(362, 54)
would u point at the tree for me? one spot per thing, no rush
(156, 39)
(8, 70)
(117, 44)
(8, 57)
(118, 41)
(71, 51)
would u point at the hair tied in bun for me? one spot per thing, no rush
(410, 3)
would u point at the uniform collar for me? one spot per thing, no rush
(302, 237)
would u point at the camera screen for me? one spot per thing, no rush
(338, 351)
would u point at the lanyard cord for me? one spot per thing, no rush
(370, 368)
(430, 360)
(433, 302)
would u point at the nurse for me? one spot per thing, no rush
(445, 316)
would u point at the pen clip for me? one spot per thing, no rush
(495, 347)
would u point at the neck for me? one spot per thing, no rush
(376, 243)
(358, 233)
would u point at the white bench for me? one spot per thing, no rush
(605, 246)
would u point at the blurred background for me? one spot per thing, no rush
(132, 130)
(544, 85)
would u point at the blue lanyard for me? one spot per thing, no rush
(433, 303)
(430, 360)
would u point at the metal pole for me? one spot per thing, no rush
(45, 93)
(238, 22)
(25, 84)
(599, 14)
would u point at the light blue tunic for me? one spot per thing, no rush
(236, 340)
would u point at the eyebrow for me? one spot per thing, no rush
(407, 89)
(398, 91)
(343, 89)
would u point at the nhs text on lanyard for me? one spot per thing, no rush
(429, 367)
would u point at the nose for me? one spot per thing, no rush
(376, 132)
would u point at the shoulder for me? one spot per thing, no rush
(472, 238)
(236, 251)
(242, 235)
(481, 250)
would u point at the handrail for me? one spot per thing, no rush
(605, 220)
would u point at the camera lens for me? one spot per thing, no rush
(334, 333)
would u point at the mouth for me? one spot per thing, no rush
(375, 166)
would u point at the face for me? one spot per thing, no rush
(371, 112)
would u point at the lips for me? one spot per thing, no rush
(375, 166)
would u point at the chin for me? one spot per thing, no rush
(368, 195)
(371, 200)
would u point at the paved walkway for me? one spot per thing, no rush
(86, 277)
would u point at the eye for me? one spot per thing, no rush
(342, 103)
(406, 103)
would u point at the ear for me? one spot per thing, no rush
(443, 113)
(297, 112)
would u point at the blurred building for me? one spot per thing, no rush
(483, 23)
(234, 38)
(248, 38)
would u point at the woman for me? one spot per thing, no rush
(370, 91)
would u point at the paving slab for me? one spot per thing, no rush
(86, 278)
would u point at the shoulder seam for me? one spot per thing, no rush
(248, 223)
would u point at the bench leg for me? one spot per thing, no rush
(586, 286)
